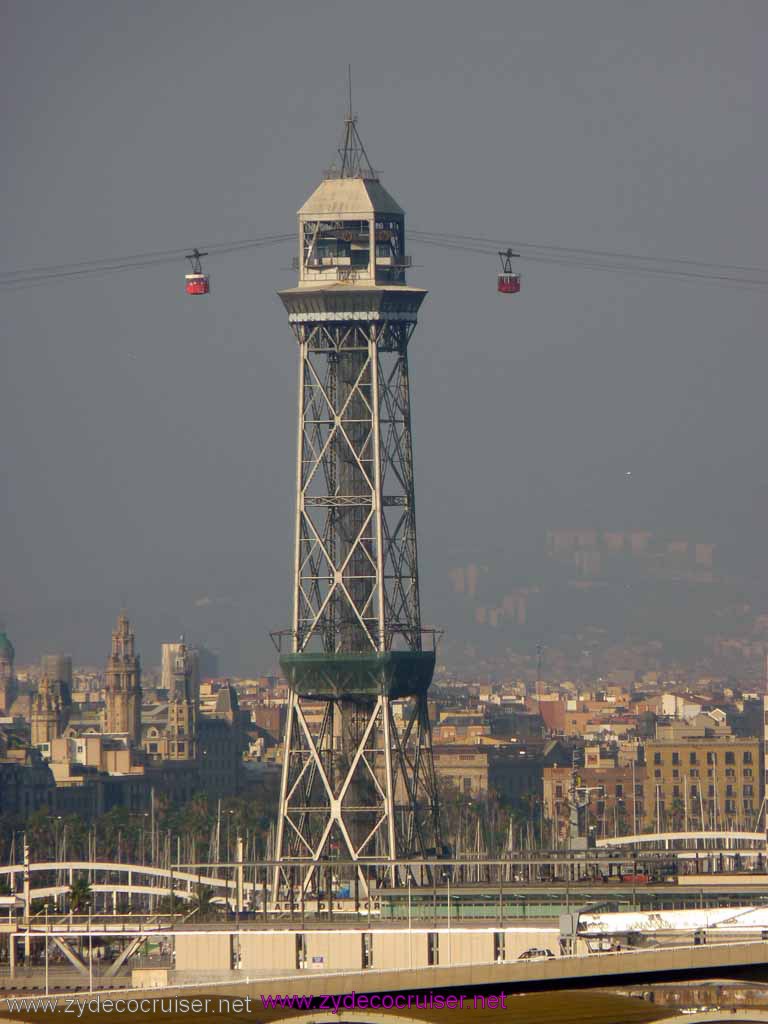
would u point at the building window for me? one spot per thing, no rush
(730, 757)
(694, 792)
(367, 949)
(559, 791)
(657, 773)
(692, 759)
(730, 773)
(301, 950)
(710, 757)
(657, 757)
(729, 790)
(711, 790)
(747, 757)
(747, 773)
(694, 773)
(675, 773)
(747, 791)
(499, 947)
(467, 785)
(639, 791)
(619, 791)
(433, 949)
(675, 757)
(675, 791)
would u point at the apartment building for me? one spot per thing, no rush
(710, 782)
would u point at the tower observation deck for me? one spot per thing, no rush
(358, 781)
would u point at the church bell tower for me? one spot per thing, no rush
(122, 712)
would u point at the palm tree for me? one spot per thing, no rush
(678, 814)
(39, 834)
(203, 901)
(80, 895)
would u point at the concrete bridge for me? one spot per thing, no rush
(560, 989)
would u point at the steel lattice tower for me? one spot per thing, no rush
(358, 778)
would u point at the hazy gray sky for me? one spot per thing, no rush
(148, 439)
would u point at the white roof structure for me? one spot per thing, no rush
(349, 197)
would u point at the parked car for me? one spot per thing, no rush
(536, 954)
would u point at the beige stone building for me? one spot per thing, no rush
(710, 782)
(615, 797)
(182, 749)
(49, 713)
(463, 767)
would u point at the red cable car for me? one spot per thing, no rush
(509, 281)
(197, 283)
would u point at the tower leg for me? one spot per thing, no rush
(346, 785)
(389, 730)
(279, 876)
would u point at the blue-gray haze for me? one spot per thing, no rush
(148, 440)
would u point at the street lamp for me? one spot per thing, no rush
(46, 947)
(229, 833)
(410, 935)
(447, 877)
(143, 830)
(58, 855)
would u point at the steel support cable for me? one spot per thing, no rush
(566, 250)
(40, 275)
(157, 254)
(589, 263)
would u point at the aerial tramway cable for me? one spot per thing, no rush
(674, 268)
(594, 259)
(41, 275)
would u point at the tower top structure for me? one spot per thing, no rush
(351, 230)
(123, 639)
